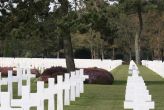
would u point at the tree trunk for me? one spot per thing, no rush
(91, 49)
(137, 49)
(139, 33)
(94, 53)
(158, 48)
(162, 54)
(113, 52)
(69, 53)
(97, 52)
(102, 51)
(58, 54)
(91, 43)
(152, 54)
(130, 55)
(102, 54)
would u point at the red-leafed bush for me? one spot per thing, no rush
(98, 76)
(36, 72)
(4, 71)
(52, 73)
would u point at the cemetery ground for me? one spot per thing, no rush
(111, 97)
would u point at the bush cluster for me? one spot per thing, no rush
(4, 71)
(52, 73)
(96, 75)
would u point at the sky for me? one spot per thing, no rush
(51, 6)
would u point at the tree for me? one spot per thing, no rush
(154, 25)
(30, 24)
(91, 40)
(135, 6)
(64, 26)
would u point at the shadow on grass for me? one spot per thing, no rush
(122, 82)
(119, 82)
(154, 82)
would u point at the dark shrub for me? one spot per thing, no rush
(36, 72)
(52, 73)
(4, 71)
(98, 76)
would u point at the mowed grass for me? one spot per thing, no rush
(103, 97)
(111, 97)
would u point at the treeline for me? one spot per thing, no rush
(129, 29)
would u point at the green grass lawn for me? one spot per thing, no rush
(111, 97)
(103, 97)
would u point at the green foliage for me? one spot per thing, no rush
(98, 27)
(31, 26)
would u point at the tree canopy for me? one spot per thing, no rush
(30, 28)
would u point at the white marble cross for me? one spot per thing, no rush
(78, 80)
(19, 74)
(49, 93)
(137, 95)
(67, 88)
(59, 92)
(31, 99)
(5, 102)
(83, 78)
(8, 81)
(73, 85)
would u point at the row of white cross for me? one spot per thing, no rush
(137, 95)
(22, 74)
(43, 63)
(156, 65)
(66, 89)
